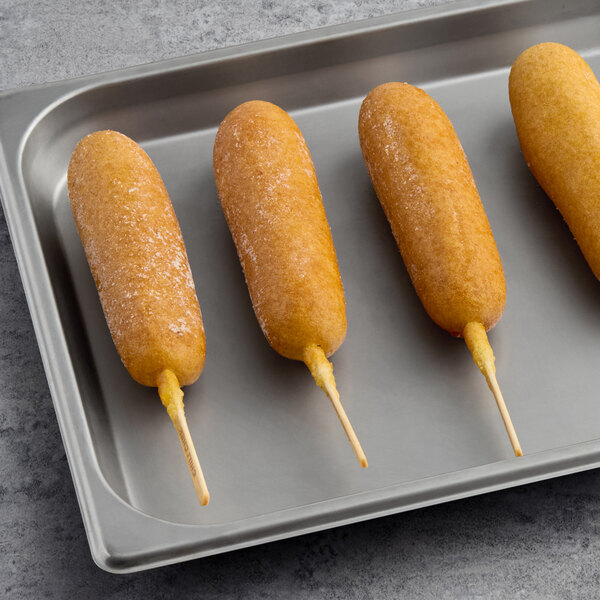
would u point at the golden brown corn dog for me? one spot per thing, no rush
(138, 260)
(423, 181)
(555, 101)
(271, 199)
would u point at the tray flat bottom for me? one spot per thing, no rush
(267, 437)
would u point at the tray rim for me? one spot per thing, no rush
(89, 482)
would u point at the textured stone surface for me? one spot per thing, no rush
(539, 541)
(56, 39)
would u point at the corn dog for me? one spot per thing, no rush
(134, 247)
(423, 181)
(555, 102)
(270, 196)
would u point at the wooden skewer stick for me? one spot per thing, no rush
(171, 396)
(322, 371)
(483, 355)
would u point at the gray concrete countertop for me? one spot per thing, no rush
(538, 541)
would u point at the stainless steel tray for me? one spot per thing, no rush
(273, 453)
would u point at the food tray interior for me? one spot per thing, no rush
(266, 436)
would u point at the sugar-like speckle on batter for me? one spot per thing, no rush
(134, 246)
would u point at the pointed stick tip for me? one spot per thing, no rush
(171, 396)
(490, 377)
(322, 371)
(477, 341)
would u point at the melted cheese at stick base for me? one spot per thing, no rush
(423, 181)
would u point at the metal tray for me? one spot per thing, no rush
(273, 453)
